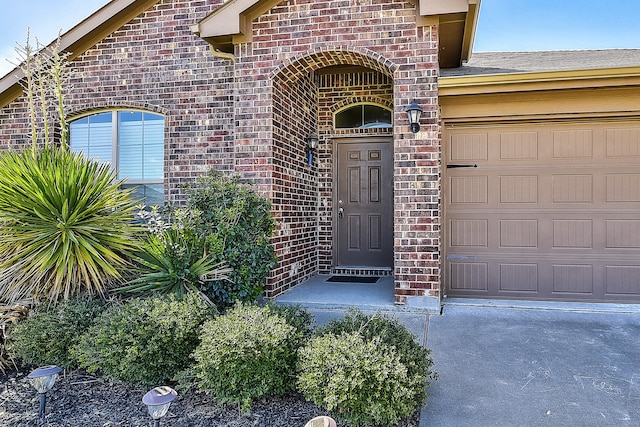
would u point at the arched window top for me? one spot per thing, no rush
(363, 116)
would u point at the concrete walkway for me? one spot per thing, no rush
(537, 365)
(502, 363)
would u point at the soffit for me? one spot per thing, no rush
(456, 19)
(81, 38)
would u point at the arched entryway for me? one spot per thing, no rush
(354, 165)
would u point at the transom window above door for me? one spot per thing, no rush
(363, 116)
(132, 142)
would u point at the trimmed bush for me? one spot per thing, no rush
(363, 381)
(392, 333)
(45, 337)
(249, 353)
(144, 341)
(238, 226)
(296, 316)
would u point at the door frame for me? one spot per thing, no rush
(359, 139)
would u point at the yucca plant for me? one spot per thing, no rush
(174, 261)
(65, 225)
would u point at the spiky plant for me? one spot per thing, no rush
(174, 262)
(174, 257)
(65, 225)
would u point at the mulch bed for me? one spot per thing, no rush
(82, 400)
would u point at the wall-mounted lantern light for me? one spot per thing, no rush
(414, 112)
(158, 401)
(312, 145)
(43, 379)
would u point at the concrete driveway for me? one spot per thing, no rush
(502, 366)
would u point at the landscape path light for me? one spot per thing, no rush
(322, 421)
(158, 401)
(43, 379)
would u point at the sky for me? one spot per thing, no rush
(43, 18)
(503, 25)
(530, 25)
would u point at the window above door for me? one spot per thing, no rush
(363, 116)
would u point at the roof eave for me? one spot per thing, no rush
(231, 23)
(538, 81)
(457, 21)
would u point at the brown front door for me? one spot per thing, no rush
(364, 203)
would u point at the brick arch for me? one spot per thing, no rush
(359, 100)
(108, 106)
(325, 56)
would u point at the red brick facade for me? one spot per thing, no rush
(251, 115)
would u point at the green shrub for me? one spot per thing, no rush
(362, 381)
(144, 341)
(392, 333)
(65, 223)
(296, 316)
(249, 353)
(238, 225)
(45, 337)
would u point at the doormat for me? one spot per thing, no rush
(353, 279)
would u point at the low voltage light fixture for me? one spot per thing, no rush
(312, 145)
(43, 379)
(414, 112)
(158, 401)
(322, 421)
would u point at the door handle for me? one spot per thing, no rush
(340, 213)
(461, 166)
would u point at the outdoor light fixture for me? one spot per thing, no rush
(43, 379)
(413, 112)
(322, 421)
(158, 401)
(312, 145)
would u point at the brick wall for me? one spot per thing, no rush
(252, 115)
(156, 63)
(294, 40)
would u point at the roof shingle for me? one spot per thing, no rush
(483, 63)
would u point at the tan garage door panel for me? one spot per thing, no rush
(549, 211)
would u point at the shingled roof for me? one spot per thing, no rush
(484, 63)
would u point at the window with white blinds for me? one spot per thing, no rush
(132, 142)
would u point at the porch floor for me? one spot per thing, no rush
(317, 293)
(327, 301)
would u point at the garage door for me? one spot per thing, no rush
(543, 211)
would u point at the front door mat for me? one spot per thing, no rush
(353, 279)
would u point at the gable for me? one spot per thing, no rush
(231, 24)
